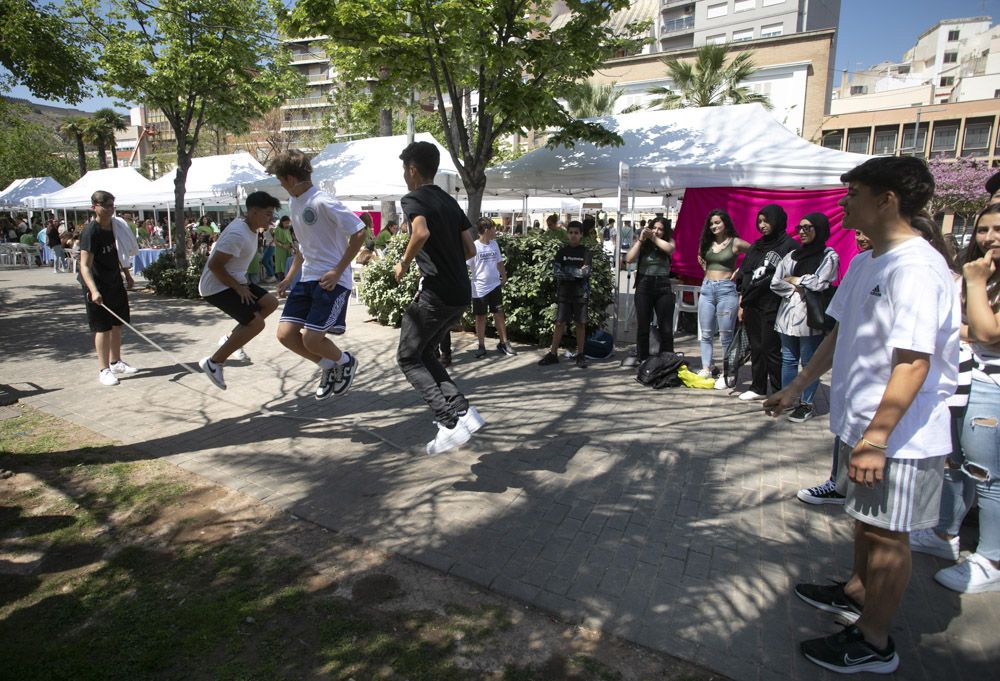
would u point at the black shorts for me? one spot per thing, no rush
(492, 301)
(229, 301)
(572, 311)
(101, 320)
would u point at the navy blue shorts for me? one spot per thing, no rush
(317, 309)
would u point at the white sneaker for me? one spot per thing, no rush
(213, 371)
(120, 368)
(720, 383)
(751, 395)
(472, 420)
(107, 377)
(928, 541)
(449, 438)
(975, 575)
(240, 355)
(705, 373)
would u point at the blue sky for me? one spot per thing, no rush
(870, 31)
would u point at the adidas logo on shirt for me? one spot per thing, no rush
(876, 292)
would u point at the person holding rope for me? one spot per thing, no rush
(104, 289)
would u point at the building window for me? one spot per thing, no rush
(859, 90)
(912, 147)
(746, 34)
(719, 39)
(947, 81)
(857, 141)
(950, 58)
(944, 140)
(744, 5)
(768, 3)
(977, 138)
(772, 30)
(996, 94)
(885, 142)
(833, 139)
(717, 10)
(952, 36)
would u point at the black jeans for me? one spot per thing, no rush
(425, 322)
(654, 293)
(765, 349)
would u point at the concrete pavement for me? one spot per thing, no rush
(666, 517)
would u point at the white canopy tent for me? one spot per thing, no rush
(122, 182)
(18, 191)
(365, 170)
(667, 151)
(211, 181)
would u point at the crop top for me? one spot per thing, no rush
(723, 261)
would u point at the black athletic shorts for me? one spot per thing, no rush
(101, 320)
(492, 301)
(572, 311)
(229, 301)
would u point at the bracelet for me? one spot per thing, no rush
(868, 442)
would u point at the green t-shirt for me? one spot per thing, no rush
(653, 262)
(27, 238)
(382, 240)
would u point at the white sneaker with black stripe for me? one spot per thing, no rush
(213, 371)
(344, 375)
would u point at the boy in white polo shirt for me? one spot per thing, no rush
(330, 237)
(894, 356)
(224, 282)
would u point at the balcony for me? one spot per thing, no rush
(672, 3)
(300, 102)
(318, 78)
(308, 57)
(677, 25)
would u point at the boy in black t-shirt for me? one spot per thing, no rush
(572, 271)
(440, 242)
(101, 276)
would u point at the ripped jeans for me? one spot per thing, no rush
(980, 438)
(716, 311)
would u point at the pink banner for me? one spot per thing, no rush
(376, 219)
(742, 204)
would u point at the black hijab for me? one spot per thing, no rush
(778, 219)
(808, 258)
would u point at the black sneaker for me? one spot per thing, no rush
(821, 494)
(848, 652)
(506, 348)
(480, 352)
(801, 413)
(326, 379)
(446, 361)
(830, 598)
(581, 361)
(548, 359)
(344, 375)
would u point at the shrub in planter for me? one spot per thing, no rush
(167, 278)
(385, 298)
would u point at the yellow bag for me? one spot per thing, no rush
(693, 380)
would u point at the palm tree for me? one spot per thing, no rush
(709, 81)
(589, 100)
(95, 132)
(75, 127)
(113, 123)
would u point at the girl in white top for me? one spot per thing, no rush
(487, 278)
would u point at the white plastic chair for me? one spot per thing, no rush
(681, 305)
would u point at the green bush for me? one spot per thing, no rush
(529, 295)
(167, 278)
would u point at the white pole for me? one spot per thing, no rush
(170, 232)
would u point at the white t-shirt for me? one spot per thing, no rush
(239, 241)
(903, 299)
(485, 275)
(323, 225)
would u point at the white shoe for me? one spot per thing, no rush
(107, 377)
(120, 368)
(975, 575)
(751, 395)
(472, 420)
(928, 541)
(240, 355)
(720, 383)
(449, 438)
(213, 371)
(705, 373)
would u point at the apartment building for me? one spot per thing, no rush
(303, 116)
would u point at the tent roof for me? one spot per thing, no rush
(721, 146)
(365, 170)
(122, 182)
(211, 180)
(18, 190)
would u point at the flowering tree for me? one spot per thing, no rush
(959, 186)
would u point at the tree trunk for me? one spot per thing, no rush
(180, 182)
(388, 208)
(81, 154)
(102, 155)
(114, 151)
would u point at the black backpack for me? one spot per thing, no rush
(660, 371)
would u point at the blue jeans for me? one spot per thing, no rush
(267, 261)
(716, 311)
(980, 438)
(797, 350)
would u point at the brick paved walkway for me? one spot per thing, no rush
(667, 517)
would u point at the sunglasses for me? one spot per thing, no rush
(805, 228)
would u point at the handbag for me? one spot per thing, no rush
(737, 354)
(816, 304)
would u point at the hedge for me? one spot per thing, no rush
(166, 278)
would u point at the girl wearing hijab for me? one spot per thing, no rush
(813, 266)
(758, 304)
